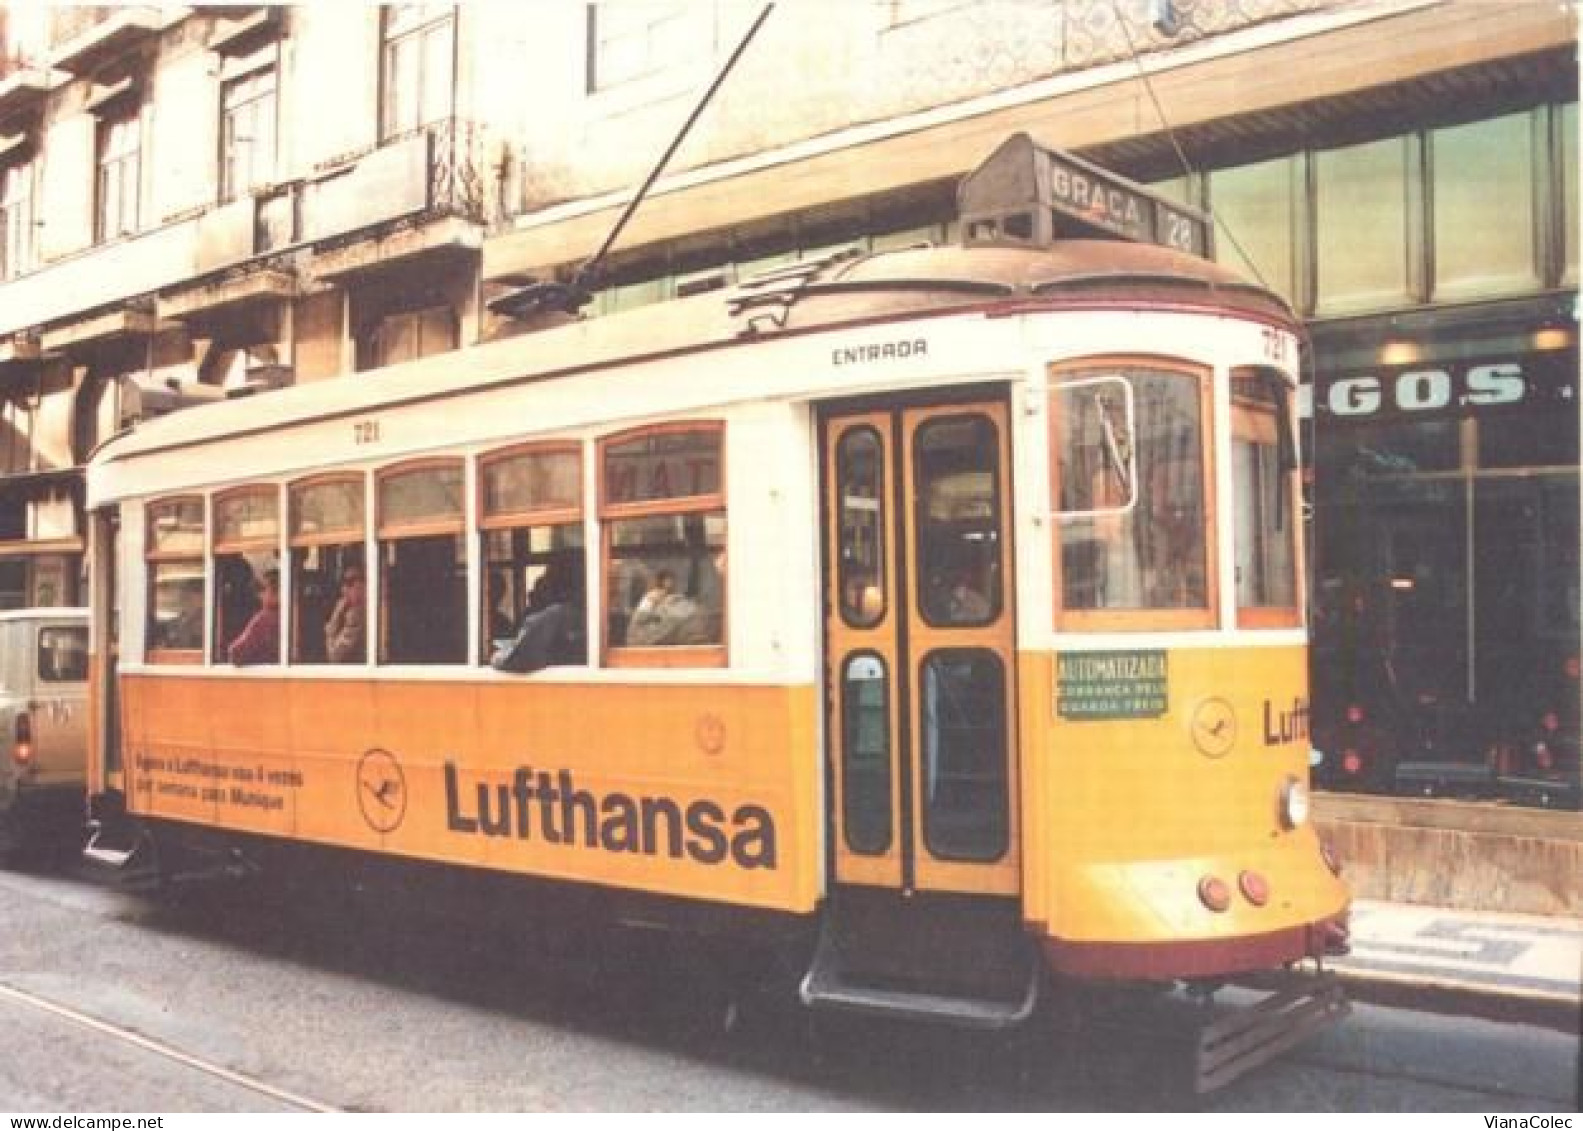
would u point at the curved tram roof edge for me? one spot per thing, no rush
(883, 287)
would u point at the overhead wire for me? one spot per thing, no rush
(1176, 145)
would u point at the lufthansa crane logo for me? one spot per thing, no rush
(1214, 728)
(381, 790)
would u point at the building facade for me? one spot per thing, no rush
(203, 201)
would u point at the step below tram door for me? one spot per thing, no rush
(921, 768)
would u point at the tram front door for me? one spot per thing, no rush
(919, 638)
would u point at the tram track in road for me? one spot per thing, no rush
(111, 1031)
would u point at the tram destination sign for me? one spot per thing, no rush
(1101, 199)
(1026, 194)
(1097, 686)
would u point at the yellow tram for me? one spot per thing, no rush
(944, 604)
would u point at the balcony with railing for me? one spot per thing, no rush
(418, 192)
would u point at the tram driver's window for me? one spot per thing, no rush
(176, 613)
(247, 585)
(423, 565)
(1264, 478)
(662, 505)
(531, 525)
(1128, 480)
(329, 578)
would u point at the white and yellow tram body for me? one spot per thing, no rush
(1111, 743)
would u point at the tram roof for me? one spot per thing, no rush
(797, 298)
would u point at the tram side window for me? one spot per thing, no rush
(423, 565)
(329, 582)
(1264, 468)
(662, 505)
(247, 577)
(530, 519)
(1128, 473)
(176, 615)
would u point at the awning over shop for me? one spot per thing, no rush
(1263, 79)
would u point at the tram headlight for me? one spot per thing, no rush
(1294, 804)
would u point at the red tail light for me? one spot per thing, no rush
(1213, 893)
(1543, 758)
(1550, 721)
(1351, 762)
(1255, 888)
(1354, 714)
(22, 752)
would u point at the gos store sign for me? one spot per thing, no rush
(1455, 388)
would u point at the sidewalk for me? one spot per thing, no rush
(1522, 967)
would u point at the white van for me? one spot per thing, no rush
(43, 724)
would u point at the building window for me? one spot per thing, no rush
(1567, 155)
(629, 41)
(120, 172)
(418, 59)
(409, 335)
(247, 133)
(662, 507)
(1361, 206)
(174, 555)
(247, 576)
(531, 525)
(1256, 210)
(1483, 186)
(16, 219)
(329, 584)
(423, 564)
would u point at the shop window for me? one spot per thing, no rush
(418, 66)
(247, 576)
(1353, 453)
(247, 132)
(531, 523)
(174, 558)
(119, 175)
(1483, 202)
(1130, 480)
(1361, 206)
(1256, 210)
(16, 218)
(423, 564)
(1264, 485)
(329, 583)
(662, 508)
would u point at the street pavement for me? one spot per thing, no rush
(1522, 967)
